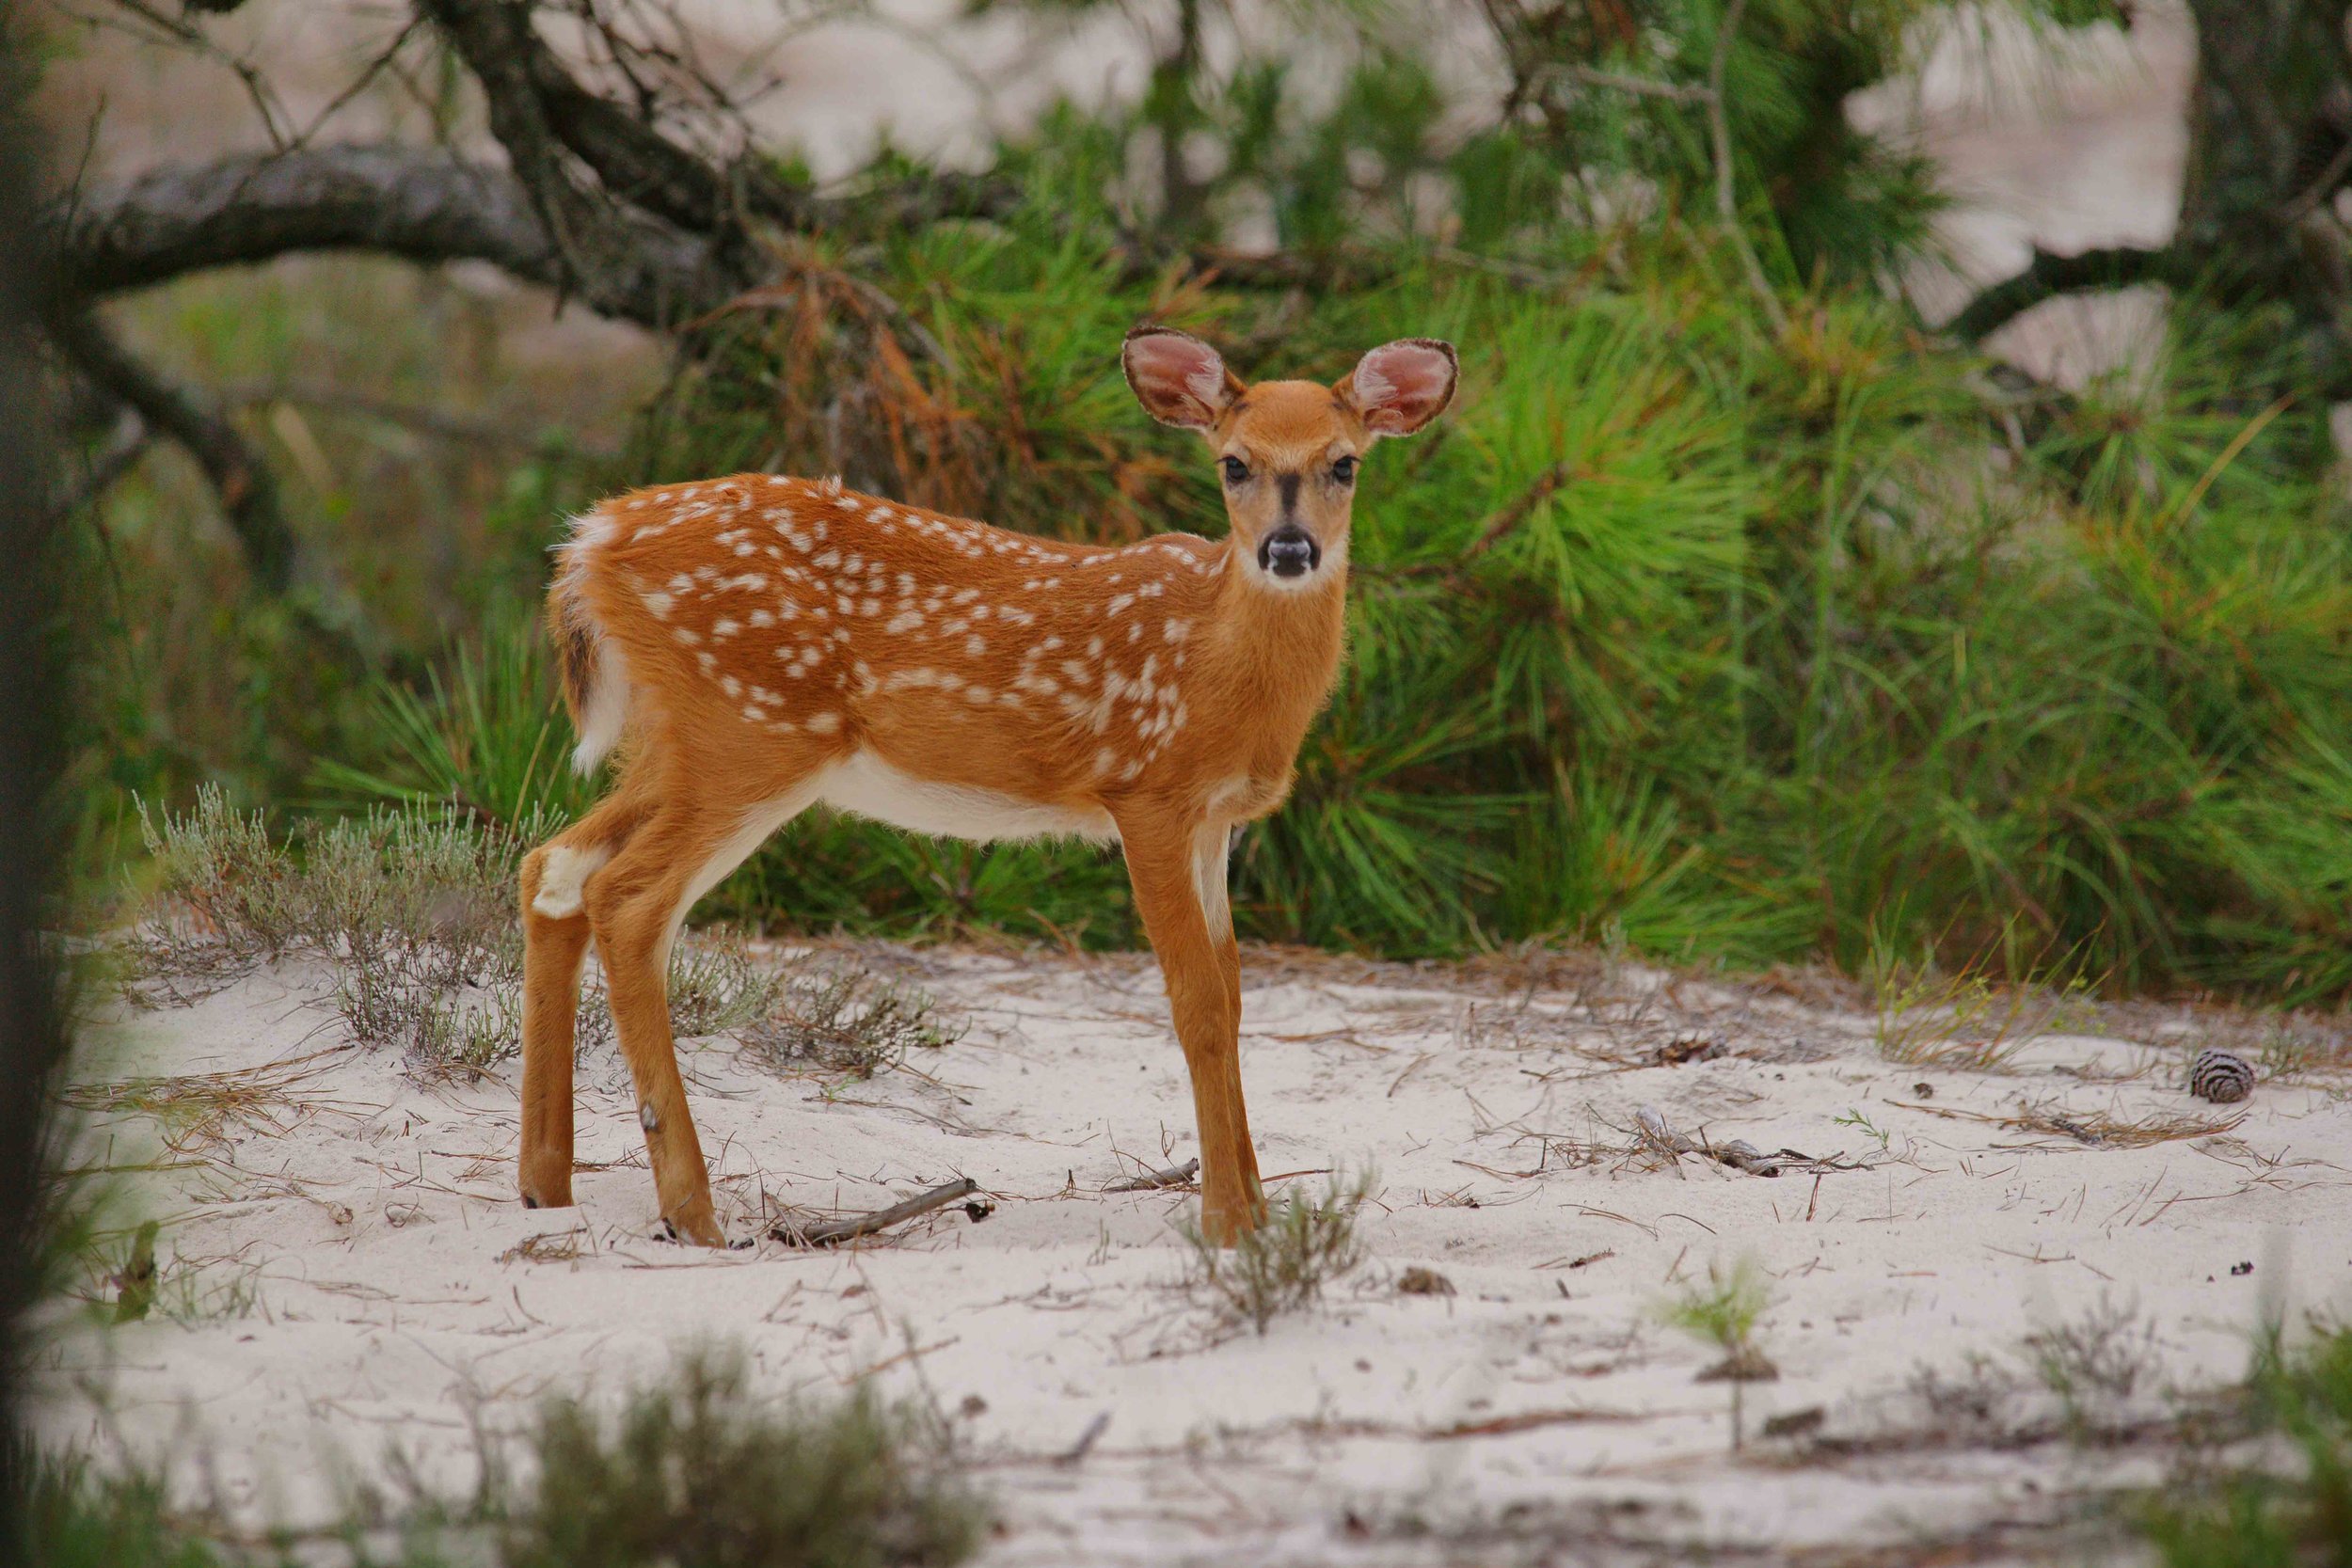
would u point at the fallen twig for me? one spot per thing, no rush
(1174, 1176)
(836, 1231)
(1087, 1439)
(1588, 1258)
(1525, 1420)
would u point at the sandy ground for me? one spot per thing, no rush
(345, 1270)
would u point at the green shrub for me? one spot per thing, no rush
(694, 1469)
(844, 1020)
(412, 907)
(76, 1517)
(2292, 1502)
(485, 733)
(698, 1470)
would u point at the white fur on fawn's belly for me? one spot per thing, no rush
(869, 787)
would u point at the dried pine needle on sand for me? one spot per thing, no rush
(197, 1111)
(2094, 1130)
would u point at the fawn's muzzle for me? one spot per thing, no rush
(1289, 552)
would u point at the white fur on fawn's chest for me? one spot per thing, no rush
(869, 787)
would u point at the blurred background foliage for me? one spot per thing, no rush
(1733, 615)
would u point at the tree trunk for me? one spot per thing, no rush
(2270, 142)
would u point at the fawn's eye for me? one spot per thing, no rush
(1344, 470)
(1235, 471)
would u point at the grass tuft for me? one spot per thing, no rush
(718, 987)
(76, 1516)
(2291, 1501)
(1724, 1312)
(695, 1469)
(1282, 1266)
(411, 909)
(2094, 1362)
(699, 1469)
(1971, 1022)
(844, 1021)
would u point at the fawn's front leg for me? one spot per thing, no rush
(1172, 868)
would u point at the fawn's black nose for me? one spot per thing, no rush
(1289, 551)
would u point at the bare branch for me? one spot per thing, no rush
(2322, 187)
(414, 203)
(497, 44)
(2050, 275)
(187, 35)
(1641, 86)
(637, 163)
(124, 447)
(248, 495)
(1153, 1180)
(833, 1232)
(381, 63)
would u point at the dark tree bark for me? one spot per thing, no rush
(417, 204)
(588, 228)
(32, 1030)
(1173, 105)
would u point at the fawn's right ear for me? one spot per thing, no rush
(1179, 379)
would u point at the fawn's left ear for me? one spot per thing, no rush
(1400, 386)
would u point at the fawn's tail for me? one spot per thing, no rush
(596, 677)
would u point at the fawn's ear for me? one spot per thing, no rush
(1179, 379)
(1400, 386)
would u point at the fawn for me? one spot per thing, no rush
(756, 644)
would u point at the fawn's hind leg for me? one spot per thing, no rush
(636, 903)
(555, 942)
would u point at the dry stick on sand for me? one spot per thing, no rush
(1077, 1451)
(1174, 1176)
(834, 1232)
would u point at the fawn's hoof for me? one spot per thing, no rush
(694, 1223)
(547, 1194)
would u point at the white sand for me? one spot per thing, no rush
(373, 1224)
